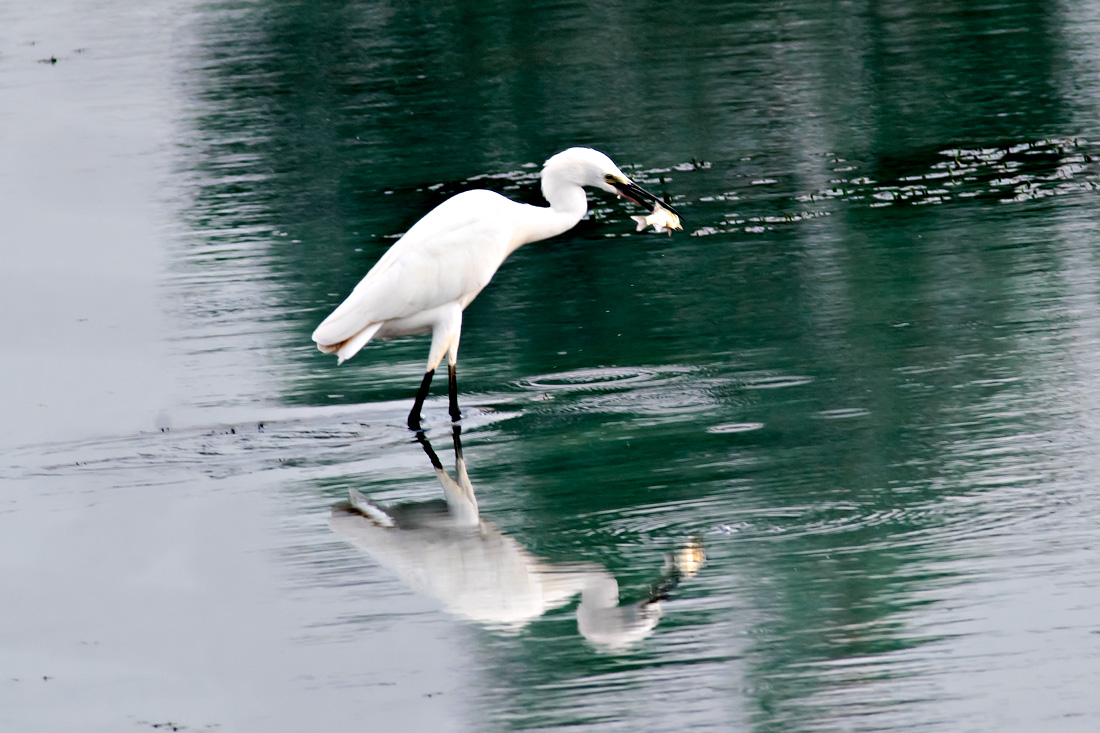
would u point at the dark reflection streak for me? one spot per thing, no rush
(446, 550)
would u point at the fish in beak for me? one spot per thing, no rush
(633, 192)
(662, 220)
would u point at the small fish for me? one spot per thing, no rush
(662, 220)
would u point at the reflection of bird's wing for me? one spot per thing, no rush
(448, 256)
(476, 572)
(370, 510)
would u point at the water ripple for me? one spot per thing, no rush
(1015, 173)
(315, 441)
(652, 393)
(602, 378)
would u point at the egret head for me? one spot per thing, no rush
(588, 167)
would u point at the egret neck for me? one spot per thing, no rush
(568, 205)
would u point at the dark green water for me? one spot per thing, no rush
(863, 379)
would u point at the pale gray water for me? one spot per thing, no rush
(864, 378)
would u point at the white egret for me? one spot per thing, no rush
(428, 277)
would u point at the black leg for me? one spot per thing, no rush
(456, 430)
(452, 389)
(421, 395)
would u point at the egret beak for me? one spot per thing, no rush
(632, 191)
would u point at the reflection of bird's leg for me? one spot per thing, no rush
(665, 585)
(459, 493)
(456, 431)
(420, 438)
(452, 380)
(684, 563)
(460, 498)
(421, 395)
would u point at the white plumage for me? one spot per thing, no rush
(428, 277)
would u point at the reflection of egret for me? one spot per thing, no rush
(444, 549)
(429, 276)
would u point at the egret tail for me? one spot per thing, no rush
(348, 348)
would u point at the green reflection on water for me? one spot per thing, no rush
(858, 351)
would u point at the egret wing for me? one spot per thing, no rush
(448, 256)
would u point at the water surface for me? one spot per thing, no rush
(862, 381)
